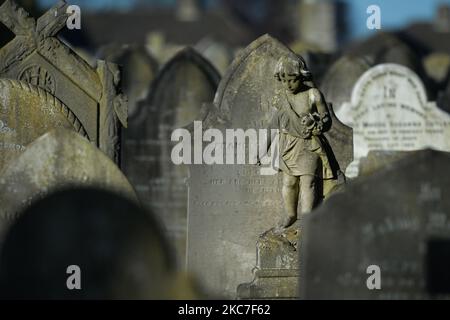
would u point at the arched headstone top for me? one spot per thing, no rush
(389, 110)
(338, 83)
(13, 88)
(248, 95)
(264, 51)
(173, 69)
(387, 73)
(59, 159)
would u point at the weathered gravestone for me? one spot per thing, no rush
(26, 113)
(339, 80)
(183, 85)
(59, 159)
(232, 204)
(392, 226)
(37, 56)
(389, 111)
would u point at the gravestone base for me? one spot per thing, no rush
(277, 268)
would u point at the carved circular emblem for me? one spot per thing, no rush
(40, 77)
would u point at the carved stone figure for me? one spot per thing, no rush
(233, 206)
(304, 155)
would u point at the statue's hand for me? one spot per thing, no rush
(320, 121)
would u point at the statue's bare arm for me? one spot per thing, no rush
(322, 110)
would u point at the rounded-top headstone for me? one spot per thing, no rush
(186, 82)
(338, 82)
(59, 159)
(26, 113)
(389, 110)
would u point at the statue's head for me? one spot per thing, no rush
(292, 72)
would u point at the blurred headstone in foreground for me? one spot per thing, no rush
(88, 244)
(387, 236)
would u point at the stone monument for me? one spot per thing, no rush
(232, 203)
(176, 97)
(385, 237)
(389, 110)
(339, 80)
(38, 57)
(26, 113)
(59, 159)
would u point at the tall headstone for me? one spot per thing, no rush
(389, 110)
(57, 160)
(176, 97)
(26, 113)
(385, 237)
(231, 205)
(37, 56)
(338, 82)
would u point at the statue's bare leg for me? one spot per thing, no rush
(307, 193)
(290, 198)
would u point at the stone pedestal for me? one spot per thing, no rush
(277, 266)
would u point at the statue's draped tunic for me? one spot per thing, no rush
(302, 144)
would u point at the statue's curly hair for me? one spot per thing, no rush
(292, 66)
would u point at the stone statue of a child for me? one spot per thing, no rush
(301, 121)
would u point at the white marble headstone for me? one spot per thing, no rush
(389, 111)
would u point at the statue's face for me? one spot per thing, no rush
(291, 83)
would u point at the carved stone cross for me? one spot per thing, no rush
(38, 57)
